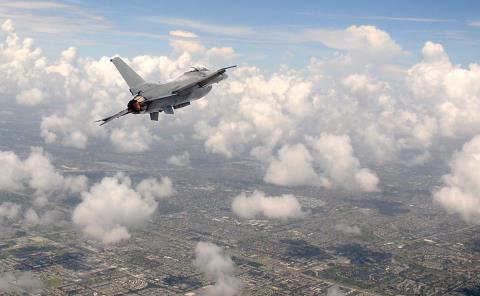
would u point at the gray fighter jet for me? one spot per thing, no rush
(154, 98)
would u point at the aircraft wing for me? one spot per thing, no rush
(204, 81)
(110, 118)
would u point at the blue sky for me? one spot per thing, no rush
(100, 28)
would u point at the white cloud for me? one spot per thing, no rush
(340, 167)
(216, 55)
(461, 193)
(227, 138)
(53, 127)
(190, 46)
(451, 92)
(111, 206)
(131, 139)
(36, 172)
(30, 76)
(368, 40)
(20, 282)
(182, 34)
(33, 218)
(30, 97)
(293, 167)
(248, 112)
(29, 217)
(389, 112)
(276, 207)
(13, 175)
(217, 267)
(152, 189)
(8, 26)
(179, 160)
(36, 176)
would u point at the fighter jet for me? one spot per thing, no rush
(155, 98)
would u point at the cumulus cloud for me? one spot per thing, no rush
(348, 229)
(451, 90)
(29, 217)
(367, 41)
(276, 207)
(461, 193)
(179, 160)
(20, 282)
(334, 156)
(152, 189)
(111, 206)
(13, 175)
(31, 96)
(217, 267)
(341, 168)
(33, 218)
(37, 176)
(81, 90)
(292, 167)
(36, 172)
(389, 111)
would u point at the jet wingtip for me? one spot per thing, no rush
(101, 121)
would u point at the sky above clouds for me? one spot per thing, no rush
(267, 32)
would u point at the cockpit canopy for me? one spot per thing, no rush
(197, 69)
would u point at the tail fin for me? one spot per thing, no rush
(131, 77)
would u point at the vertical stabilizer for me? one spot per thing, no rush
(131, 77)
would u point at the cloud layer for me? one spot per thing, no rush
(324, 125)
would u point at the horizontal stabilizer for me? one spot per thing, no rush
(110, 118)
